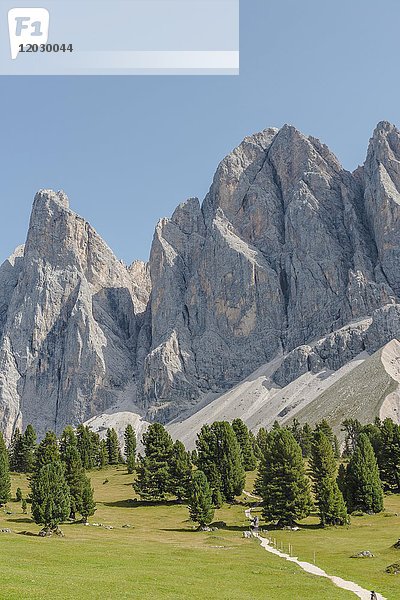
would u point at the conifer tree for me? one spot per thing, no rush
(389, 456)
(364, 487)
(254, 445)
(16, 452)
(284, 486)
(201, 508)
(243, 437)
(94, 449)
(47, 451)
(330, 502)
(325, 428)
(352, 429)
(180, 471)
(24, 505)
(18, 494)
(113, 448)
(29, 440)
(306, 440)
(219, 457)
(50, 495)
(87, 507)
(85, 446)
(5, 481)
(103, 454)
(74, 471)
(153, 469)
(130, 448)
(341, 480)
(261, 439)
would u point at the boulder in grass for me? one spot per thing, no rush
(5, 530)
(397, 545)
(363, 554)
(393, 569)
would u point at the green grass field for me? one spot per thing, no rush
(162, 557)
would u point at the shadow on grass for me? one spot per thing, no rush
(21, 520)
(28, 533)
(133, 503)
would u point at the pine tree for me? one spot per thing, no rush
(103, 454)
(352, 429)
(5, 481)
(29, 440)
(364, 487)
(130, 448)
(325, 428)
(83, 435)
(331, 505)
(285, 488)
(219, 457)
(389, 456)
(306, 440)
(261, 439)
(94, 449)
(74, 471)
(88, 505)
(24, 506)
(47, 450)
(180, 471)
(16, 452)
(341, 480)
(112, 447)
(50, 495)
(201, 508)
(18, 494)
(254, 445)
(153, 469)
(243, 437)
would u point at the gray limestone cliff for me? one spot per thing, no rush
(289, 254)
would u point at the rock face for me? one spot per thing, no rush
(287, 248)
(69, 334)
(289, 255)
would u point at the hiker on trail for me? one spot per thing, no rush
(255, 524)
(373, 596)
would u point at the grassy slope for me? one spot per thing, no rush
(160, 557)
(334, 546)
(358, 395)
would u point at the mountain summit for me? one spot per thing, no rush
(289, 257)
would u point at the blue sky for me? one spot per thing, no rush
(127, 150)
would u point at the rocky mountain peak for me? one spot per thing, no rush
(289, 256)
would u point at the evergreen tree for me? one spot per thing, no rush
(24, 506)
(341, 480)
(5, 481)
(47, 451)
(326, 429)
(306, 440)
(180, 471)
(331, 505)
(50, 495)
(389, 456)
(18, 494)
(364, 488)
(85, 449)
(74, 471)
(261, 439)
(153, 469)
(113, 448)
(95, 451)
(243, 437)
(219, 457)
(29, 440)
(103, 456)
(15, 452)
(352, 429)
(254, 445)
(88, 505)
(284, 486)
(130, 448)
(201, 508)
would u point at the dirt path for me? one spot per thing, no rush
(362, 593)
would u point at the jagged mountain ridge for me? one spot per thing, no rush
(288, 249)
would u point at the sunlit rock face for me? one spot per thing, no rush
(289, 254)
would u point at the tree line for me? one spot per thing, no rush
(59, 486)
